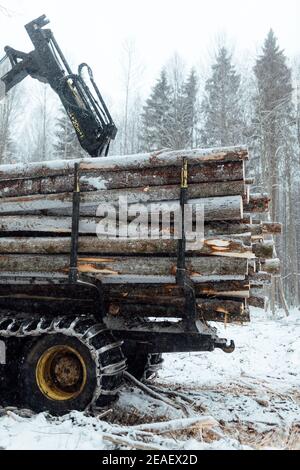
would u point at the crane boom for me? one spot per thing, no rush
(86, 109)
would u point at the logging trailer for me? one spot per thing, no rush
(66, 340)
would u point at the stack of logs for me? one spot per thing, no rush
(230, 270)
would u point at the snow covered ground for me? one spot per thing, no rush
(253, 394)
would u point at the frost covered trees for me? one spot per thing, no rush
(9, 113)
(221, 111)
(129, 108)
(6, 141)
(66, 145)
(190, 94)
(274, 113)
(156, 116)
(276, 135)
(183, 112)
(170, 114)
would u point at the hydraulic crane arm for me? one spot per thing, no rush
(87, 110)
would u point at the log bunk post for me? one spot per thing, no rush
(182, 277)
(74, 278)
(73, 272)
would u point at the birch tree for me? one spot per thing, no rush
(9, 111)
(128, 119)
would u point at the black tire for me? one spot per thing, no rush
(58, 373)
(32, 394)
(144, 366)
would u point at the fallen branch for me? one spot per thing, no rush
(148, 390)
(174, 394)
(176, 425)
(126, 442)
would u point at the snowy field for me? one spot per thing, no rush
(249, 399)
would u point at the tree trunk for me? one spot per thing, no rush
(229, 176)
(132, 162)
(153, 267)
(62, 245)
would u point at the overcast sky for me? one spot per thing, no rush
(94, 30)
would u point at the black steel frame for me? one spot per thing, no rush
(182, 277)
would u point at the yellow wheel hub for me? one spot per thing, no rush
(61, 373)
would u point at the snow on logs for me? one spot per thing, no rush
(230, 269)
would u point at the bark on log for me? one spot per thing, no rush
(172, 306)
(228, 307)
(131, 162)
(95, 245)
(264, 250)
(230, 228)
(258, 203)
(55, 279)
(62, 225)
(223, 317)
(265, 228)
(271, 228)
(22, 265)
(249, 181)
(145, 292)
(208, 310)
(227, 318)
(257, 290)
(247, 218)
(218, 208)
(134, 310)
(260, 278)
(229, 177)
(259, 302)
(271, 266)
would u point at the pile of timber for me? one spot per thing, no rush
(229, 271)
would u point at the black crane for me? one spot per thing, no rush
(86, 109)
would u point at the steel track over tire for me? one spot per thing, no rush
(144, 366)
(58, 375)
(68, 363)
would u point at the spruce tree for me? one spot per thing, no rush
(182, 117)
(273, 105)
(276, 142)
(156, 116)
(190, 91)
(222, 117)
(169, 116)
(274, 115)
(66, 145)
